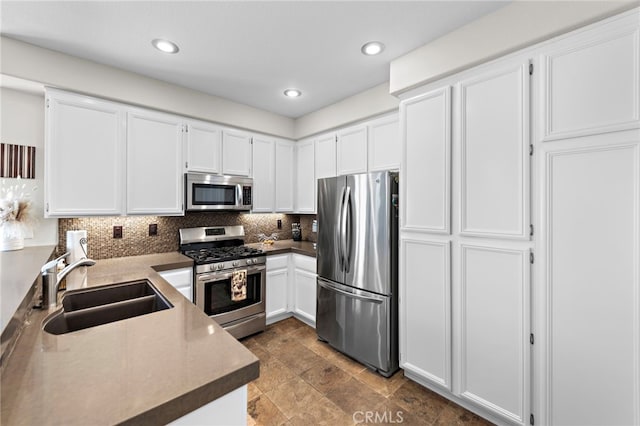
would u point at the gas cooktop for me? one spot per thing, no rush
(221, 254)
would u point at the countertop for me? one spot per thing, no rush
(150, 369)
(286, 246)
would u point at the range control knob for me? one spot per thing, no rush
(250, 261)
(219, 266)
(235, 263)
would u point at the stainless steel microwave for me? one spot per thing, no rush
(213, 192)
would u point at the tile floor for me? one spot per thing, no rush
(305, 382)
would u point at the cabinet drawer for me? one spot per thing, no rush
(303, 262)
(277, 262)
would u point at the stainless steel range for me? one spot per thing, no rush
(222, 264)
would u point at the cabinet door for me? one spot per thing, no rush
(593, 285)
(494, 145)
(304, 288)
(425, 310)
(305, 185)
(277, 287)
(84, 156)
(285, 158)
(326, 156)
(384, 148)
(263, 175)
(426, 177)
(351, 150)
(154, 163)
(204, 148)
(494, 336)
(236, 153)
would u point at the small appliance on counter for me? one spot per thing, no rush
(296, 231)
(77, 245)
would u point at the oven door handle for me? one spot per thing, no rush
(217, 276)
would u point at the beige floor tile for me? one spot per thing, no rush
(384, 386)
(264, 412)
(293, 396)
(419, 401)
(325, 376)
(349, 365)
(321, 412)
(389, 413)
(297, 357)
(272, 373)
(354, 396)
(288, 325)
(253, 391)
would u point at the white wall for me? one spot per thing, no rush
(22, 123)
(29, 62)
(515, 26)
(374, 101)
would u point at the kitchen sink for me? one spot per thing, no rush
(102, 305)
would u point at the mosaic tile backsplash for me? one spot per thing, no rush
(135, 231)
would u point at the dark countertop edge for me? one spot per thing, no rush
(287, 246)
(197, 398)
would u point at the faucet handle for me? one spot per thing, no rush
(52, 265)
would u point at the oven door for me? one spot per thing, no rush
(213, 295)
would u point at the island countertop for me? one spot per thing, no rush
(149, 369)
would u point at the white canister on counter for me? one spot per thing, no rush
(77, 245)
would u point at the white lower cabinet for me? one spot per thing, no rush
(277, 288)
(291, 288)
(181, 279)
(228, 410)
(304, 288)
(425, 332)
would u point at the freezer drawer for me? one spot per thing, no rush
(360, 324)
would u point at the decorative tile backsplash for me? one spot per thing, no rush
(135, 231)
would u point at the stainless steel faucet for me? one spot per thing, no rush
(51, 278)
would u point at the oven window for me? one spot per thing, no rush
(206, 194)
(217, 295)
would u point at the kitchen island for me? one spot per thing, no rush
(150, 369)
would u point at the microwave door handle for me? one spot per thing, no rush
(239, 201)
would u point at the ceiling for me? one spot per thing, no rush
(248, 52)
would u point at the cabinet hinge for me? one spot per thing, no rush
(531, 258)
(530, 149)
(531, 230)
(531, 338)
(47, 208)
(531, 420)
(530, 69)
(47, 102)
(186, 128)
(186, 164)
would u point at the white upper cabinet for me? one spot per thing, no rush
(326, 156)
(84, 156)
(203, 148)
(263, 175)
(351, 150)
(285, 158)
(426, 123)
(591, 83)
(384, 148)
(154, 163)
(236, 153)
(494, 145)
(305, 182)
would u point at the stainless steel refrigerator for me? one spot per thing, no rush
(357, 259)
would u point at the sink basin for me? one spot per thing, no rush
(103, 305)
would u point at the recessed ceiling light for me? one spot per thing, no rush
(372, 48)
(292, 93)
(165, 46)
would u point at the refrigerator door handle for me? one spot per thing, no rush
(323, 284)
(348, 240)
(344, 211)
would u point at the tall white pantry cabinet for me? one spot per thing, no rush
(520, 232)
